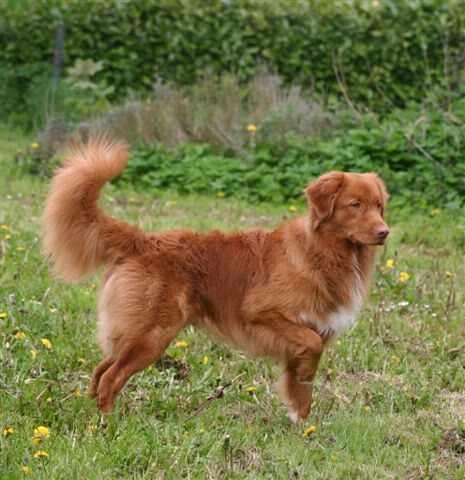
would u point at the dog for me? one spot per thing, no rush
(281, 294)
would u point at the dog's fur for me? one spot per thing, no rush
(280, 294)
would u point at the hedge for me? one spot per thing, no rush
(380, 53)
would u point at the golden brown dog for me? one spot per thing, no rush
(280, 294)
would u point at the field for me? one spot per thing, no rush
(389, 396)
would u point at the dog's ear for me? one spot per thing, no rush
(321, 195)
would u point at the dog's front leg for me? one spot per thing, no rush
(300, 349)
(297, 396)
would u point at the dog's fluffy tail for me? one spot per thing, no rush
(77, 235)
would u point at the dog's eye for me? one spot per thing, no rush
(355, 204)
(380, 207)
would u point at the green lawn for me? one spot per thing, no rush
(389, 399)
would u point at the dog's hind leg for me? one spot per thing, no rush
(137, 353)
(99, 370)
(139, 315)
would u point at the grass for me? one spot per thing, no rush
(389, 399)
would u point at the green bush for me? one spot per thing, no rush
(379, 54)
(24, 93)
(420, 155)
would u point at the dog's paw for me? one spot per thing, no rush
(294, 416)
(104, 405)
(105, 401)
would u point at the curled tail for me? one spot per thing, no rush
(77, 235)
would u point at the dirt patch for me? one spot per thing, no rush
(454, 402)
(363, 377)
(181, 368)
(454, 441)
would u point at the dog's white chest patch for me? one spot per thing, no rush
(341, 319)
(344, 317)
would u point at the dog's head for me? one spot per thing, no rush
(349, 205)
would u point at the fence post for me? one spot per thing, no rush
(58, 60)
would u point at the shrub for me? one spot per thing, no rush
(377, 54)
(217, 112)
(24, 93)
(86, 97)
(420, 154)
(214, 111)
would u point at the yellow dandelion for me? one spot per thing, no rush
(449, 274)
(366, 408)
(41, 433)
(251, 389)
(220, 194)
(390, 263)
(7, 431)
(205, 360)
(19, 335)
(7, 236)
(26, 470)
(404, 277)
(292, 208)
(5, 227)
(308, 431)
(181, 344)
(40, 454)
(252, 128)
(20, 249)
(395, 358)
(33, 354)
(77, 392)
(92, 428)
(35, 145)
(435, 211)
(3, 314)
(81, 360)
(46, 343)
(49, 399)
